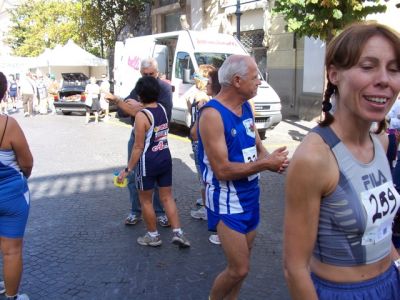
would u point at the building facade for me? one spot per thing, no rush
(217, 16)
(296, 66)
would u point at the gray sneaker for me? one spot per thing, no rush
(132, 219)
(180, 240)
(200, 213)
(163, 221)
(148, 240)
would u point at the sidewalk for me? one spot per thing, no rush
(289, 132)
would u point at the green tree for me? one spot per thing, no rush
(107, 21)
(324, 18)
(42, 23)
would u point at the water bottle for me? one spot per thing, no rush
(123, 184)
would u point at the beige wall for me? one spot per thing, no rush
(285, 65)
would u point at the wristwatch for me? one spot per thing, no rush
(127, 170)
(397, 263)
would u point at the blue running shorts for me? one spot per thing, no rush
(163, 179)
(243, 222)
(14, 213)
(383, 287)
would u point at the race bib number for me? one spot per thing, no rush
(380, 204)
(249, 155)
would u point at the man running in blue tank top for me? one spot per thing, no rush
(231, 155)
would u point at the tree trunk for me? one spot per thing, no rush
(138, 23)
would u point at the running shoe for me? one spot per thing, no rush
(2, 288)
(132, 219)
(163, 221)
(180, 240)
(214, 238)
(18, 297)
(199, 202)
(148, 240)
(200, 213)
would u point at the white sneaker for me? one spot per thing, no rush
(2, 287)
(199, 202)
(200, 213)
(18, 297)
(214, 239)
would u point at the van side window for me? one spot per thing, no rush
(183, 62)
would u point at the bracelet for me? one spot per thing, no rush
(397, 263)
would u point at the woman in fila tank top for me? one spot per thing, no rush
(340, 197)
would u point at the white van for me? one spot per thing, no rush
(178, 55)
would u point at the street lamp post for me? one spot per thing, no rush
(238, 13)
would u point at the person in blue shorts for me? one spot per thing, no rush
(231, 155)
(340, 197)
(151, 159)
(129, 107)
(13, 92)
(15, 167)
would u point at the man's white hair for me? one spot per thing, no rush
(148, 63)
(232, 66)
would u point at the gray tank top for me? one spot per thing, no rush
(355, 223)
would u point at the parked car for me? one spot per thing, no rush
(71, 97)
(72, 93)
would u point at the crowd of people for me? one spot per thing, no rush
(341, 198)
(37, 94)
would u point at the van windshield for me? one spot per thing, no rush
(215, 59)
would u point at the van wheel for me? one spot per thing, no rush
(262, 134)
(66, 112)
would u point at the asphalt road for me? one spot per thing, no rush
(77, 246)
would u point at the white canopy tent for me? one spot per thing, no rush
(71, 58)
(16, 65)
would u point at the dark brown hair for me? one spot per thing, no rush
(148, 89)
(3, 85)
(215, 86)
(344, 52)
